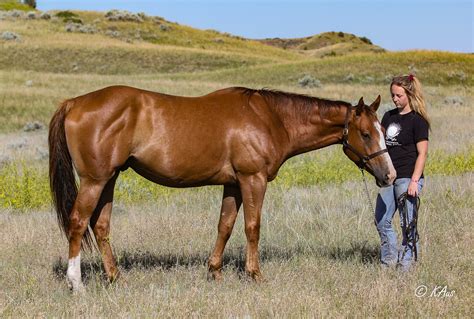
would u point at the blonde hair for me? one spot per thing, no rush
(412, 87)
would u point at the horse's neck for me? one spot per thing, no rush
(321, 127)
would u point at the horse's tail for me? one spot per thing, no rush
(62, 180)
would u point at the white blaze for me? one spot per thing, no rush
(383, 146)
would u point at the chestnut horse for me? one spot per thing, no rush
(235, 137)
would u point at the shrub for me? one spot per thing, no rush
(31, 3)
(120, 15)
(69, 16)
(366, 40)
(308, 81)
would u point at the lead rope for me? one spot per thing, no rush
(367, 190)
(410, 230)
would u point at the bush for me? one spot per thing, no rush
(366, 40)
(309, 81)
(120, 15)
(31, 3)
(69, 16)
(66, 14)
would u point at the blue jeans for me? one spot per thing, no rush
(385, 209)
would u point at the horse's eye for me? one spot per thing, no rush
(366, 135)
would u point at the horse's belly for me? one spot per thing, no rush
(184, 171)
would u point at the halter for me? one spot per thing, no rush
(362, 162)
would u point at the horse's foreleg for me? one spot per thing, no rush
(100, 223)
(84, 205)
(253, 189)
(231, 202)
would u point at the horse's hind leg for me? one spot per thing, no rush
(100, 223)
(231, 202)
(86, 201)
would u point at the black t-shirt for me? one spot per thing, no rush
(402, 132)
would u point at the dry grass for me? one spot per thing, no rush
(318, 249)
(319, 246)
(20, 104)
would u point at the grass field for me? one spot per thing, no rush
(319, 247)
(319, 254)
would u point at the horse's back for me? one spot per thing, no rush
(174, 140)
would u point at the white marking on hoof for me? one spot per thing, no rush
(73, 276)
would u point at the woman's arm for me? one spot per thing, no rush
(422, 148)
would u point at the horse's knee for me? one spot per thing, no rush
(225, 229)
(77, 225)
(252, 229)
(101, 230)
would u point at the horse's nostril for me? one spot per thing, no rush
(389, 178)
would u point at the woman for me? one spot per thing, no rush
(406, 137)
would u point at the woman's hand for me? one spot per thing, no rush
(413, 188)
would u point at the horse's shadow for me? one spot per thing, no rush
(234, 258)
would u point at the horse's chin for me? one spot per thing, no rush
(382, 183)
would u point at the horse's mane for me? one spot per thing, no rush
(298, 104)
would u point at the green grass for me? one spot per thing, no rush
(433, 68)
(120, 60)
(14, 5)
(25, 186)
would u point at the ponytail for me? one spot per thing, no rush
(412, 87)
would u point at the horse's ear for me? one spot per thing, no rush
(374, 106)
(360, 106)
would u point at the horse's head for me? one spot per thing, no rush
(364, 142)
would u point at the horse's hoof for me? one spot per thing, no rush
(256, 276)
(114, 277)
(77, 289)
(214, 275)
(75, 286)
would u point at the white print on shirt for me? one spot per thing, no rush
(391, 134)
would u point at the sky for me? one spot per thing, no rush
(445, 25)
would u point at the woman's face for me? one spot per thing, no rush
(400, 98)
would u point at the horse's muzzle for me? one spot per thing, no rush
(386, 180)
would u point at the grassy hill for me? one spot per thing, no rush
(326, 44)
(82, 42)
(90, 42)
(435, 68)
